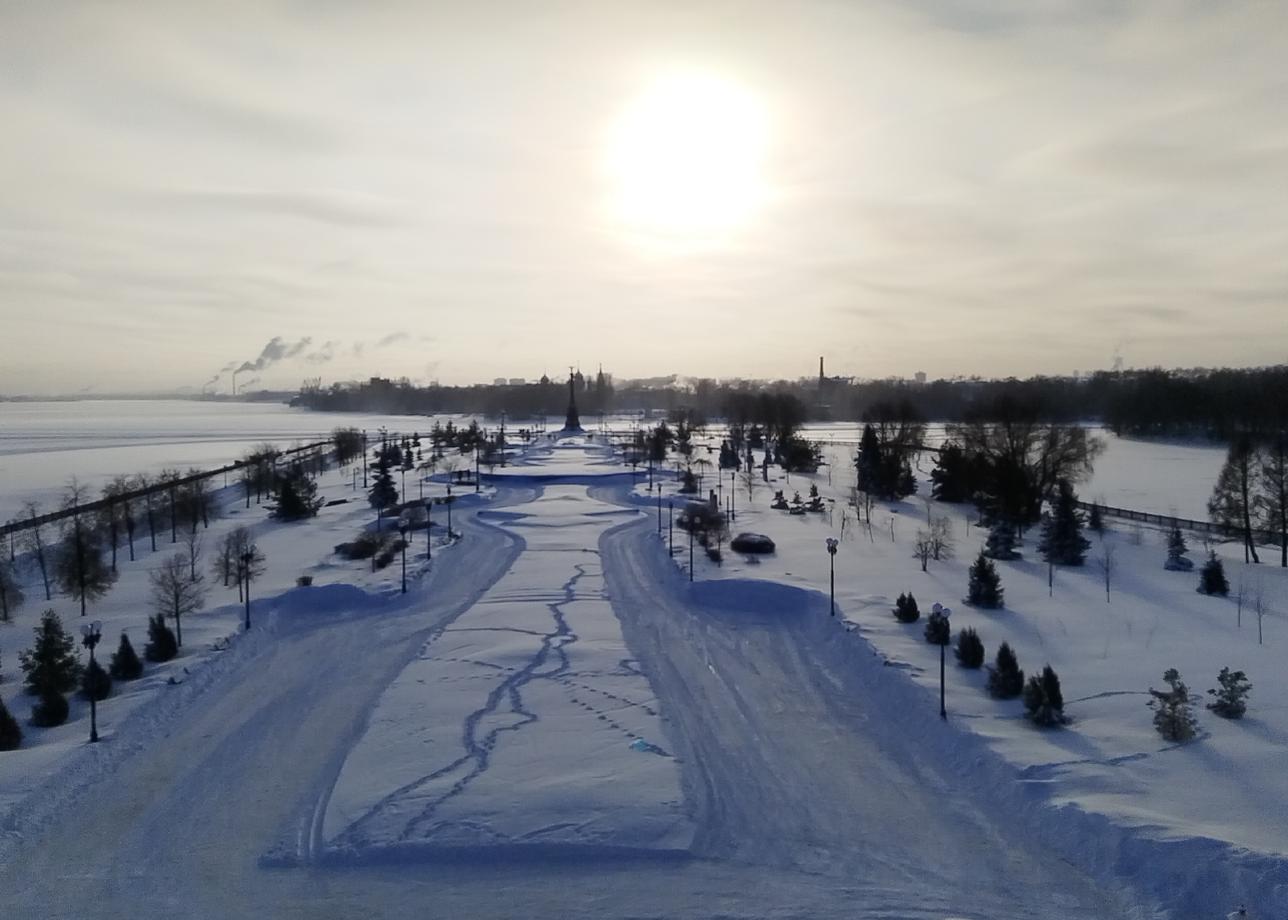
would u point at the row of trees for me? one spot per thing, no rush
(1250, 496)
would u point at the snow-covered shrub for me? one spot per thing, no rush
(1176, 550)
(10, 732)
(161, 642)
(95, 682)
(366, 545)
(1212, 578)
(1005, 679)
(125, 664)
(1231, 701)
(1173, 708)
(389, 553)
(51, 664)
(50, 711)
(937, 631)
(905, 609)
(985, 589)
(1043, 701)
(970, 650)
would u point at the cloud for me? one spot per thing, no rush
(392, 338)
(324, 354)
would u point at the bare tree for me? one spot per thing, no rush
(225, 566)
(11, 596)
(192, 546)
(1259, 605)
(923, 548)
(80, 569)
(34, 542)
(175, 593)
(1234, 497)
(749, 479)
(941, 539)
(248, 557)
(1240, 598)
(1107, 562)
(145, 482)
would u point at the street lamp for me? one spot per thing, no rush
(402, 534)
(942, 638)
(429, 529)
(733, 495)
(831, 554)
(670, 529)
(247, 558)
(449, 512)
(91, 634)
(659, 508)
(691, 528)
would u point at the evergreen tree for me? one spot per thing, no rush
(1273, 494)
(868, 463)
(384, 494)
(970, 650)
(161, 644)
(125, 664)
(95, 682)
(1095, 519)
(1234, 497)
(1176, 550)
(985, 588)
(905, 609)
(51, 664)
(1005, 679)
(1173, 712)
(1043, 700)
(1001, 542)
(1212, 576)
(50, 711)
(957, 476)
(1231, 701)
(1062, 540)
(10, 732)
(297, 496)
(938, 631)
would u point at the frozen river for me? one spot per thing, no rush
(44, 444)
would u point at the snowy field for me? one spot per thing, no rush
(554, 722)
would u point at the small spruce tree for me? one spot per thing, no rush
(1043, 700)
(297, 496)
(937, 631)
(1096, 519)
(985, 589)
(51, 710)
(1212, 578)
(51, 665)
(95, 682)
(1173, 708)
(161, 642)
(970, 650)
(10, 732)
(1005, 679)
(1062, 540)
(905, 609)
(1176, 550)
(1231, 701)
(1001, 542)
(125, 664)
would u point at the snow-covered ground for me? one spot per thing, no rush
(365, 751)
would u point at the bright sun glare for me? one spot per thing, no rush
(686, 157)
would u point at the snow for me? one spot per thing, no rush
(365, 751)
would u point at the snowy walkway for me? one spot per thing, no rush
(523, 724)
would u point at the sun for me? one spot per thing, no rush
(685, 158)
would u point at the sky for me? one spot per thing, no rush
(461, 191)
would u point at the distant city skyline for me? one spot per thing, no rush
(465, 192)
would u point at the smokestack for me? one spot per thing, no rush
(820, 368)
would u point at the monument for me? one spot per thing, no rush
(572, 422)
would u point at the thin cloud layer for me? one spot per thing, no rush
(994, 188)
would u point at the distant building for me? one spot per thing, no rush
(498, 382)
(517, 381)
(920, 377)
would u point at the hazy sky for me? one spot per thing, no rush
(469, 190)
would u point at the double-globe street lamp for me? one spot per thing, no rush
(402, 538)
(91, 634)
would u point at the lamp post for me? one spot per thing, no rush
(449, 512)
(91, 634)
(944, 612)
(429, 529)
(402, 533)
(670, 529)
(247, 558)
(690, 547)
(659, 509)
(831, 558)
(733, 495)
(476, 466)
